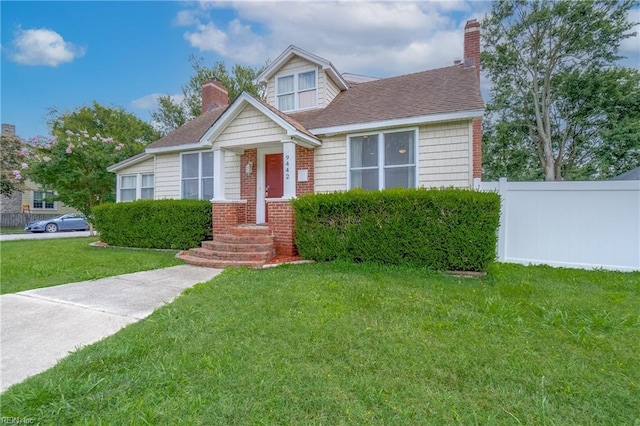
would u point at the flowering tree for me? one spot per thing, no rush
(12, 164)
(74, 161)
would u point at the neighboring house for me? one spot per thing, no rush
(317, 131)
(32, 200)
(633, 174)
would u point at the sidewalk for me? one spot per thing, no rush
(39, 327)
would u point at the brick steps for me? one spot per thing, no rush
(245, 245)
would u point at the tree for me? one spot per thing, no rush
(12, 159)
(172, 114)
(85, 142)
(541, 56)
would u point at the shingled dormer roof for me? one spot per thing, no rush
(448, 90)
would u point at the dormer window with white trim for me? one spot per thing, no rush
(297, 91)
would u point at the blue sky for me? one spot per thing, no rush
(68, 54)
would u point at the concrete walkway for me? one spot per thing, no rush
(39, 327)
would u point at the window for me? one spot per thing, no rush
(297, 91)
(146, 187)
(43, 200)
(128, 188)
(382, 160)
(136, 187)
(197, 175)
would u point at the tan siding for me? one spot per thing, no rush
(331, 165)
(250, 127)
(444, 155)
(167, 176)
(27, 198)
(232, 176)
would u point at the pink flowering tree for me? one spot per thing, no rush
(11, 164)
(73, 162)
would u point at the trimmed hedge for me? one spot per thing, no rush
(159, 224)
(442, 229)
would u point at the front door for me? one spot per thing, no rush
(273, 182)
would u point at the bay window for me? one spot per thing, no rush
(383, 160)
(197, 175)
(297, 91)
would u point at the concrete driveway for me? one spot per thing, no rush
(43, 235)
(39, 327)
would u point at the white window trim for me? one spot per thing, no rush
(138, 187)
(380, 166)
(44, 204)
(296, 92)
(199, 173)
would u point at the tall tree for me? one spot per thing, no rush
(12, 159)
(540, 56)
(172, 113)
(85, 142)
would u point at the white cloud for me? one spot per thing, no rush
(43, 47)
(150, 101)
(371, 38)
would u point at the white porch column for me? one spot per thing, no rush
(289, 166)
(219, 174)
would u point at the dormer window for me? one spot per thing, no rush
(297, 91)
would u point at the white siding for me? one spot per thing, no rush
(167, 176)
(444, 155)
(232, 175)
(142, 167)
(331, 164)
(250, 127)
(329, 92)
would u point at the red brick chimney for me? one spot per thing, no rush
(472, 45)
(472, 59)
(214, 94)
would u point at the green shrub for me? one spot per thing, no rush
(447, 229)
(160, 224)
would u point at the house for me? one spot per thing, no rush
(317, 131)
(29, 204)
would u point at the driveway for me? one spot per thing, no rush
(39, 327)
(43, 235)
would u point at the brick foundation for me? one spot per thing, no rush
(281, 225)
(228, 214)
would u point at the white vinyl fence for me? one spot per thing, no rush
(573, 224)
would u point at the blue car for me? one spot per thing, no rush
(66, 222)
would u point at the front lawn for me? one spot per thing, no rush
(361, 344)
(29, 264)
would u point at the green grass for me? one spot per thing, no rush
(332, 344)
(12, 231)
(26, 265)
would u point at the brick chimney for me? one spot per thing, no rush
(8, 129)
(472, 45)
(214, 94)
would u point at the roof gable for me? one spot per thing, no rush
(292, 51)
(293, 129)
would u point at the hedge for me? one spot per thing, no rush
(442, 229)
(159, 224)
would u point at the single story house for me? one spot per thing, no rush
(317, 131)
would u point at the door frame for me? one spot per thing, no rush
(261, 212)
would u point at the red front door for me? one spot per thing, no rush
(274, 184)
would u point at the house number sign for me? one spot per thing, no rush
(287, 175)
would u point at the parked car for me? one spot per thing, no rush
(66, 222)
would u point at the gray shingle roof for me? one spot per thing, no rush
(633, 174)
(442, 90)
(190, 132)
